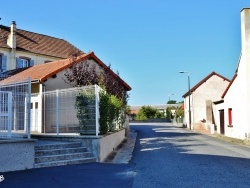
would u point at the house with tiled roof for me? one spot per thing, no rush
(201, 96)
(22, 49)
(232, 111)
(52, 76)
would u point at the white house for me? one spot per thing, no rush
(201, 96)
(232, 112)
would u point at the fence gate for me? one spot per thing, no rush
(5, 114)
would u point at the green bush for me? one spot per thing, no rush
(85, 102)
(111, 111)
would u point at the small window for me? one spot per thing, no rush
(23, 62)
(3, 62)
(230, 120)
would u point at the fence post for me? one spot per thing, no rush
(97, 113)
(9, 114)
(57, 112)
(28, 107)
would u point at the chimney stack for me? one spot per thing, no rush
(12, 36)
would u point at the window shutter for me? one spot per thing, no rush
(18, 63)
(32, 63)
(4, 63)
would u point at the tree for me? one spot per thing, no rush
(85, 73)
(147, 112)
(171, 102)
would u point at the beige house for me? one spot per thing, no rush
(232, 112)
(50, 77)
(201, 96)
(22, 49)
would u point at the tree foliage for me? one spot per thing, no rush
(147, 112)
(113, 98)
(85, 73)
(171, 102)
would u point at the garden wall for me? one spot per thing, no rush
(16, 154)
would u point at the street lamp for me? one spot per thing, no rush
(189, 94)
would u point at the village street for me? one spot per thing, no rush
(164, 156)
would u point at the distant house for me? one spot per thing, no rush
(232, 112)
(202, 94)
(20, 49)
(51, 76)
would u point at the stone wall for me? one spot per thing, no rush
(16, 154)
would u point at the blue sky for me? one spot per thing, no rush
(148, 42)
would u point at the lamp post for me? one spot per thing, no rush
(189, 94)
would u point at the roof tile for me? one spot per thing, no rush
(38, 43)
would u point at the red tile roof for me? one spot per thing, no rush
(39, 44)
(202, 81)
(43, 71)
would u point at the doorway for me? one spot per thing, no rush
(222, 122)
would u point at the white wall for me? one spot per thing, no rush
(238, 95)
(212, 89)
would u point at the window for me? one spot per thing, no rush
(230, 117)
(23, 62)
(3, 62)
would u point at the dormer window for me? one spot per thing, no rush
(23, 62)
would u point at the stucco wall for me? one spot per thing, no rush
(238, 95)
(109, 142)
(38, 59)
(16, 155)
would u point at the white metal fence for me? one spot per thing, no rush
(15, 109)
(55, 111)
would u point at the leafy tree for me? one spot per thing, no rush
(171, 102)
(147, 112)
(85, 73)
(113, 99)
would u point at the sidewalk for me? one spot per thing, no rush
(124, 152)
(224, 138)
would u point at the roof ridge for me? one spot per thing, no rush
(34, 32)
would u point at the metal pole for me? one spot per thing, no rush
(57, 112)
(28, 107)
(189, 106)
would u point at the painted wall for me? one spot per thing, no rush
(238, 95)
(38, 58)
(212, 89)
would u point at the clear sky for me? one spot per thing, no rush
(147, 41)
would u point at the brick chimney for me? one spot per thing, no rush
(12, 36)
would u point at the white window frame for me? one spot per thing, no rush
(24, 63)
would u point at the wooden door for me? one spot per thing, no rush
(222, 122)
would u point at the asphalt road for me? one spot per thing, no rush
(164, 156)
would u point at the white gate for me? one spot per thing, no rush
(5, 114)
